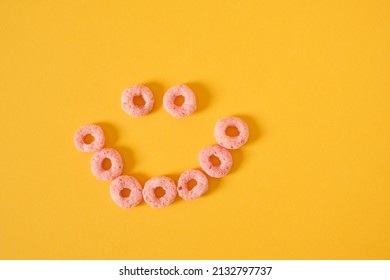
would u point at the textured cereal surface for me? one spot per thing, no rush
(222, 154)
(169, 187)
(187, 108)
(94, 130)
(128, 104)
(198, 190)
(116, 164)
(131, 183)
(231, 142)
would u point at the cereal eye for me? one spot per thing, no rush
(179, 101)
(137, 100)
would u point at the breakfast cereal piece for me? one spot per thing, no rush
(231, 141)
(215, 160)
(169, 187)
(105, 173)
(199, 189)
(126, 191)
(130, 104)
(96, 135)
(179, 110)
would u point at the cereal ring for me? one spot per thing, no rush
(122, 183)
(92, 130)
(199, 189)
(129, 104)
(149, 191)
(97, 164)
(216, 170)
(183, 110)
(234, 141)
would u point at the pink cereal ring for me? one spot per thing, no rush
(89, 130)
(183, 110)
(97, 164)
(131, 107)
(149, 191)
(124, 183)
(199, 189)
(233, 141)
(215, 169)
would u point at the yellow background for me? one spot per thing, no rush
(311, 78)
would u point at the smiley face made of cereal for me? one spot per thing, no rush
(126, 191)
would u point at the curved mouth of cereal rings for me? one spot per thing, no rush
(231, 132)
(89, 138)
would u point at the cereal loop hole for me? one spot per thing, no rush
(215, 161)
(88, 139)
(139, 101)
(125, 192)
(106, 164)
(232, 131)
(159, 192)
(191, 184)
(179, 100)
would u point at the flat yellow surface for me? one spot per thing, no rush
(311, 78)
